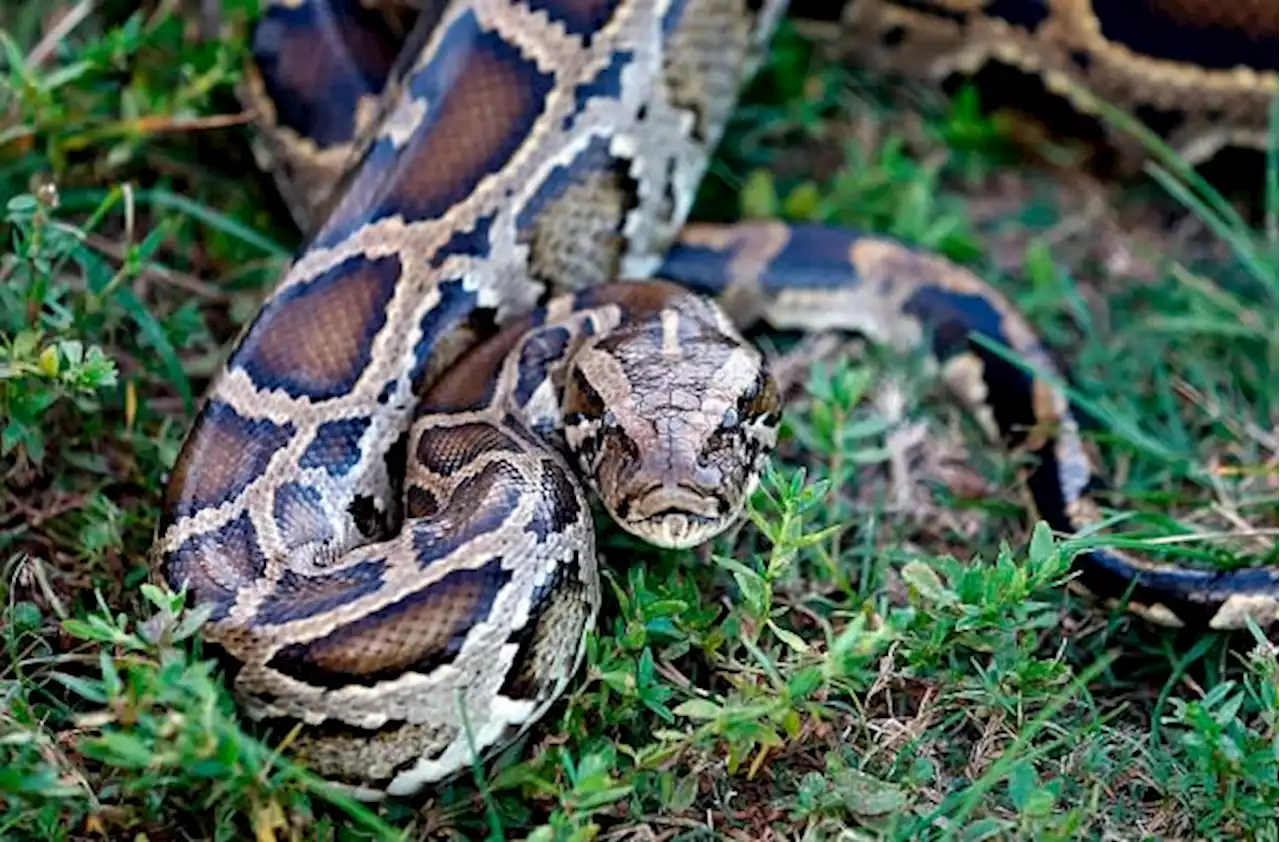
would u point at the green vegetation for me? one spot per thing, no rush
(886, 652)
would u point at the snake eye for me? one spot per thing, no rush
(730, 419)
(609, 421)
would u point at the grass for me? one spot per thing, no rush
(886, 652)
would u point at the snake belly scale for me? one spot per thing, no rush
(499, 315)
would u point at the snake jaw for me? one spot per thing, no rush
(674, 515)
(676, 530)
(662, 504)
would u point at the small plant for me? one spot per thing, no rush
(40, 364)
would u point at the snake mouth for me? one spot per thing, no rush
(674, 518)
(675, 529)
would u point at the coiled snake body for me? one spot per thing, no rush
(377, 499)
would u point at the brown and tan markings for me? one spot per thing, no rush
(384, 497)
(1201, 73)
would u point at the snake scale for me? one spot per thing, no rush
(500, 313)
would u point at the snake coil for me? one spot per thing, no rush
(384, 497)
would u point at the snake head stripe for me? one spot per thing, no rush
(671, 417)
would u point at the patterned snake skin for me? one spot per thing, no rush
(499, 306)
(1200, 72)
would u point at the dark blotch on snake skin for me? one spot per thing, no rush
(579, 17)
(222, 455)
(300, 515)
(317, 93)
(607, 83)
(473, 242)
(480, 505)
(1233, 39)
(1020, 13)
(541, 351)
(418, 633)
(213, 566)
(562, 507)
(456, 306)
(297, 597)
(471, 108)
(336, 446)
(814, 257)
(445, 450)
(315, 339)
(420, 502)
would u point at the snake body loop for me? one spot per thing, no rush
(500, 314)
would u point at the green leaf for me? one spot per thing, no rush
(794, 641)
(602, 797)
(125, 749)
(985, 829)
(925, 580)
(86, 688)
(1023, 783)
(1043, 546)
(698, 709)
(759, 197)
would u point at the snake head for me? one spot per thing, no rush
(672, 417)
